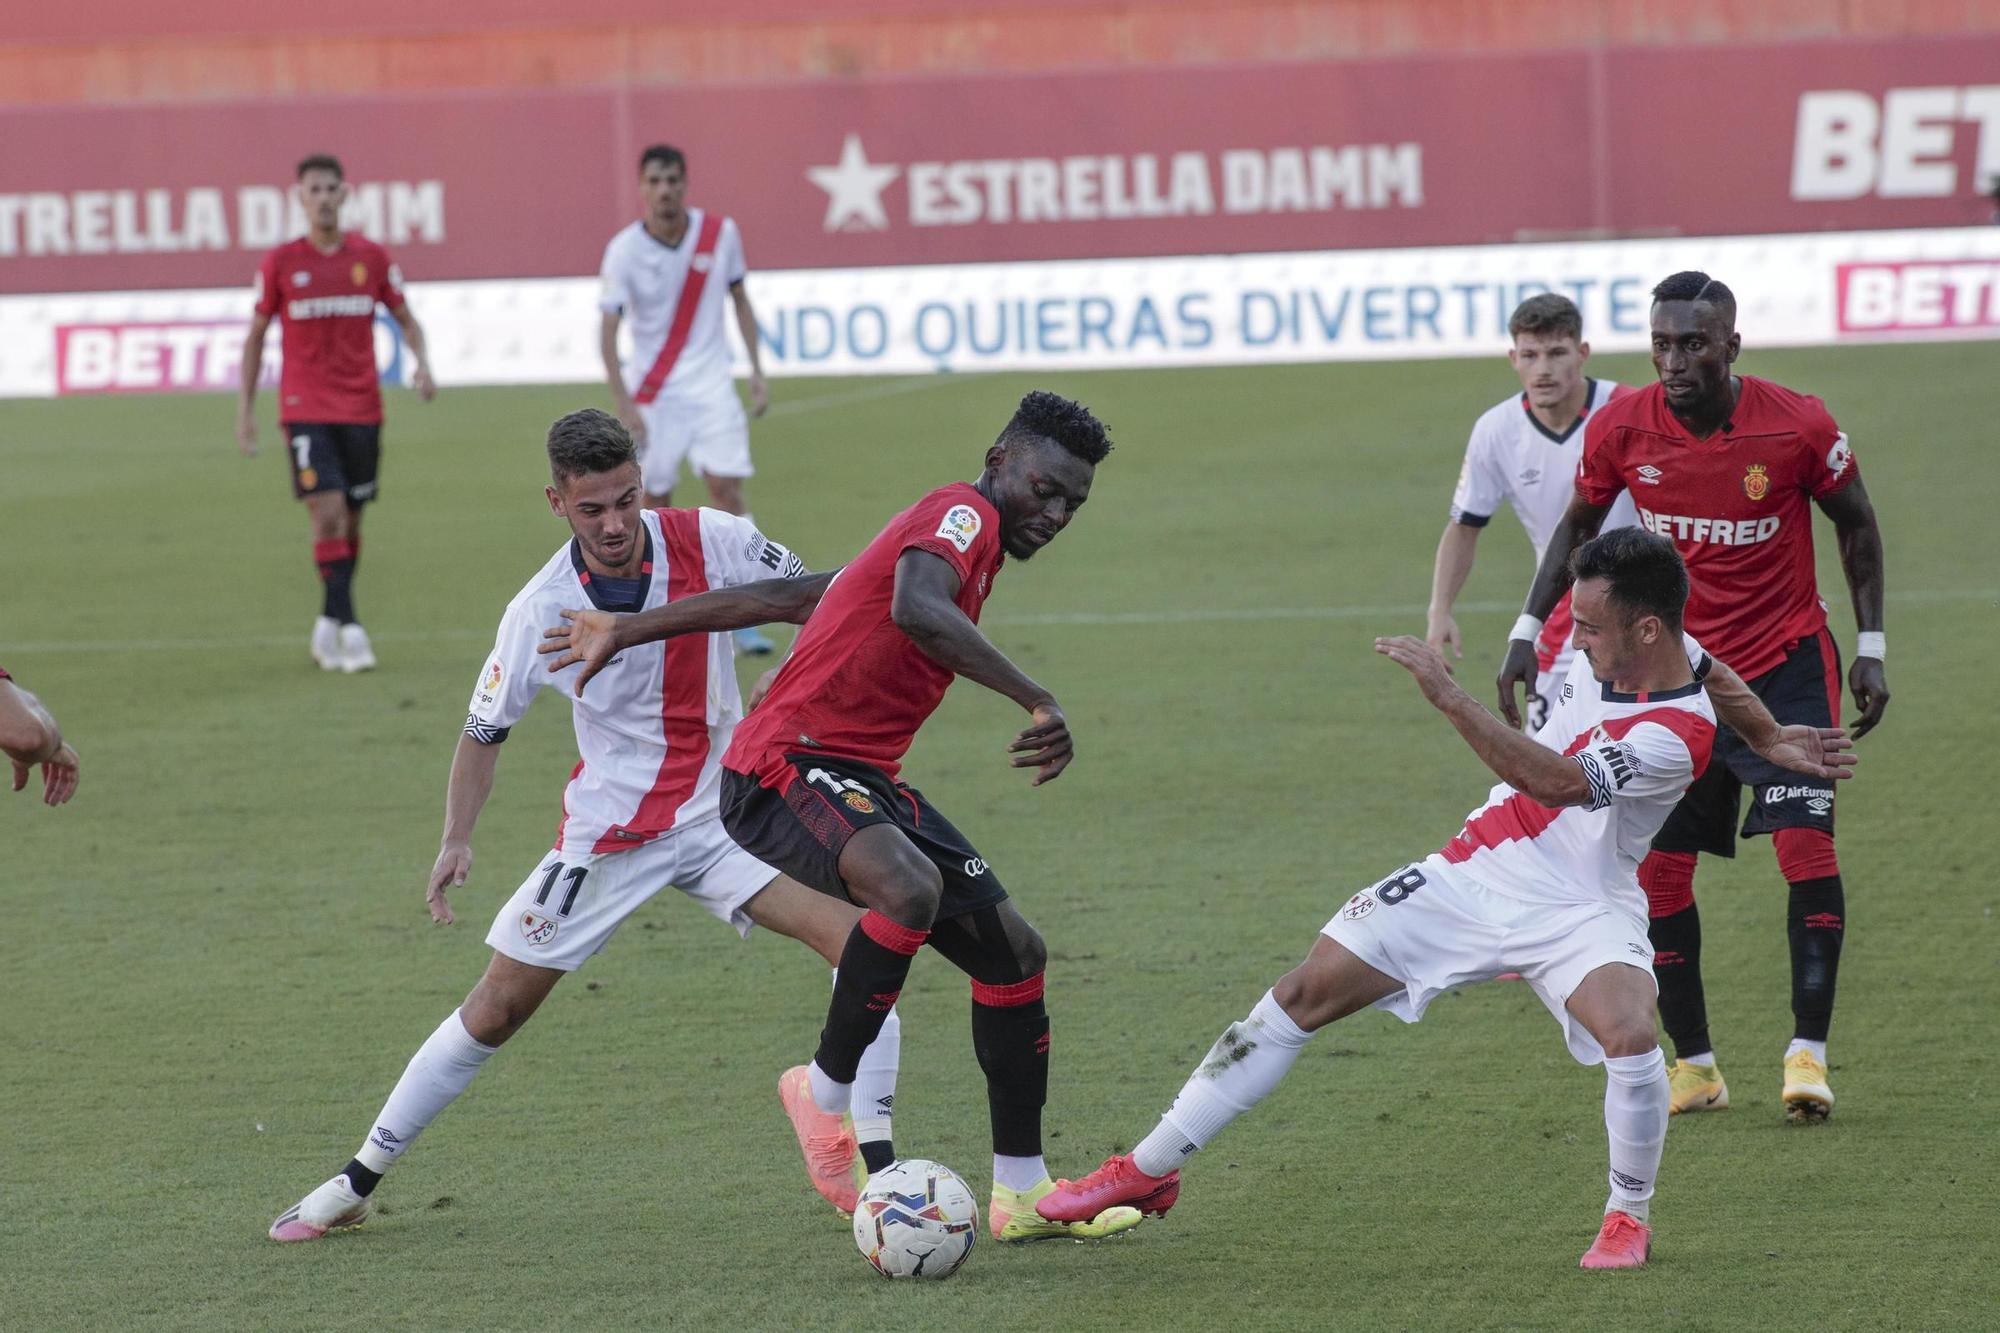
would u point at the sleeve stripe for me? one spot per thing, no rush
(1595, 777)
(1470, 520)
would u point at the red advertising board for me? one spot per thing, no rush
(1433, 150)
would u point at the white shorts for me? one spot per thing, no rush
(707, 428)
(1434, 929)
(567, 909)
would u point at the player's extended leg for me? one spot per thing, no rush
(333, 553)
(1815, 923)
(1615, 1004)
(442, 1068)
(1675, 931)
(838, 1158)
(1239, 1071)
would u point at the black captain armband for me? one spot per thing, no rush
(484, 732)
(1471, 520)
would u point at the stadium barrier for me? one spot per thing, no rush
(1796, 290)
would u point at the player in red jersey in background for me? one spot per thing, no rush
(29, 736)
(325, 286)
(1724, 465)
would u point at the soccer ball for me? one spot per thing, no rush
(915, 1219)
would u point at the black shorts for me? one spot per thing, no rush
(1804, 689)
(334, 456)
(802, 830)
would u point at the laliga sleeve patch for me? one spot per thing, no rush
(960, 526)
(1839, 456)
(489, 684)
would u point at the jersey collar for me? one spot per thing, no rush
(1589, 397)
(1688, 690)
(590, 588)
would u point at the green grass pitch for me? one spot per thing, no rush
(220, 960)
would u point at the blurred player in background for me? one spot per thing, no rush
(665, 276)
(1541, 880)
(639, 812)
(1725, 465)
(325, 286)
(1524, 451)
(28, 737)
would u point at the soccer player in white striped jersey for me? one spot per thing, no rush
(1523, 452)
(1541, 881)
(639, 813)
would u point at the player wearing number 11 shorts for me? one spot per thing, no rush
(1542, 880)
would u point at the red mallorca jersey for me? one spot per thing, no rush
(855, 686)
(1736, 505)
(327, 303)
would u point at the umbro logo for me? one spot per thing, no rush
(385, 1139)
(1650, 475)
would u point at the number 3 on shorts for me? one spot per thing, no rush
(1399, 886)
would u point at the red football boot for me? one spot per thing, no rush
(1116, 1182)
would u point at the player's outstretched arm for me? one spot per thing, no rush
(1860, 541)
(1529, 768)
(1821, 752)
(29, 736)
(472, 765)
(413, 337)
(924, 609)
(1579, 524)
(595, 637)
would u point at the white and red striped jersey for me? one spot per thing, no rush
(643, 279)
(1638, 752)
(652, 726)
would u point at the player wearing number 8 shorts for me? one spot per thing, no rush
(640, 810)
(1541, 881)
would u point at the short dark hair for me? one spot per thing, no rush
(320, 162)
(1696, 286)
(588, 441)
(1047, 416)
(1550, 315)
(665, 154)
(1643, 568)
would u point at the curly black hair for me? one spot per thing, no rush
(1047, 416)
(1696, 286)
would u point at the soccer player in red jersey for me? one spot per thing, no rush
(325, 286)
(811, 786)
(1725, 465)
(29, 736)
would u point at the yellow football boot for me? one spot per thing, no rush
(1011, 1217)
(1808, 1100)
(1696, 1088)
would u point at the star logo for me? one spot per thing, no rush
(854, 189)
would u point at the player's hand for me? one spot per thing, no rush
(1045, 746)
(1871, 693)
(761, 688)
(760, 396)
(1421, 661)
(454, 863)
(635, 424)
(1441, 632)
(246, 433)
(589, 637)
(59, 774)
(421, 381)
(1820, 752)
(1518, 667)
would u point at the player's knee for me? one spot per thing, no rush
(1031, 952)
(885, 872)
(1629, 1034)
(494, 1011)
(1306, 994)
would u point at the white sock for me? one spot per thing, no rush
(1700, 1058)
(829, 1096)
(1635, 1122)
(874, 1089)
(1818, 1049)
(1239, 1071)
(441, 1069)
(1019, 1173)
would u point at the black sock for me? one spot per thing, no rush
(338, 601)
(876, 1154)
(1012, 1042)
(360, 1177)
(873, 966)
(1677, 968)
(1815, 921)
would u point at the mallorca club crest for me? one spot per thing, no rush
(1756, 482)
(360, 274)
(858, 802)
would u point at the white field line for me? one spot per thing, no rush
(1406, 612)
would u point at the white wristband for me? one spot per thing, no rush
(1527, 627)
(1869, 643)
